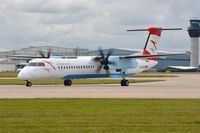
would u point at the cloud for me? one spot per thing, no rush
(92, 23)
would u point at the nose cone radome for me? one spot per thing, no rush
(20, 75)
(23, 75)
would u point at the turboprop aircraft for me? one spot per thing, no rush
(68, 68)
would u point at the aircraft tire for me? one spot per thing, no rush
(124, 82)
(28, 84)
(68, 82)
(106, 67)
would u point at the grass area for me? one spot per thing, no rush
(80, 81)
(99, 116)
(8, 74)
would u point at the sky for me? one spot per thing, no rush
(93, 23)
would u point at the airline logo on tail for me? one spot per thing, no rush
(152, 42)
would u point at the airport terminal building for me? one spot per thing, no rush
(10, 59)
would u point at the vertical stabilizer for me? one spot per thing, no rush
(151, 45)
(153, 38)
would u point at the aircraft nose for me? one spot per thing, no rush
(23, 75)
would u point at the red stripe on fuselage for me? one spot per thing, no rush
(50, 63)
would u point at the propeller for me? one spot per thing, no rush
(104, 62)
(43, 55)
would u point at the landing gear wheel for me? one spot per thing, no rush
(28, 84)
(68, 82)
(124, 82)
(106, 67)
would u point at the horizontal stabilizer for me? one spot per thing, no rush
(160, 29)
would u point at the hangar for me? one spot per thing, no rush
(8, 59)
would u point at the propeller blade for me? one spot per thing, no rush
(104, 60)
(101, 52)
(109, 53)
(42, 54)
(49, 54)
(99, 68)
(97, 59)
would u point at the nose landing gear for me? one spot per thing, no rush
(28, 84)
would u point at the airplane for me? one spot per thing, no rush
(105, 65)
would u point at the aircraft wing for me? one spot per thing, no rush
(149, 56)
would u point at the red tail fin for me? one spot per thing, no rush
(152, 41)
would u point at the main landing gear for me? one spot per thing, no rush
(67, 82)
(28, 84)
(124, 82)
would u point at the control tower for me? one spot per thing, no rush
(194, 33)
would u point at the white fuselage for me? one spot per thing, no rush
(82, 67)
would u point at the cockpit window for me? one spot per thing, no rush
(32, 64)
(36, 64)
(41, 64)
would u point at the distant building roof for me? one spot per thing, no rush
(3, 49)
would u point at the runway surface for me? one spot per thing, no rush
(184, 86)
